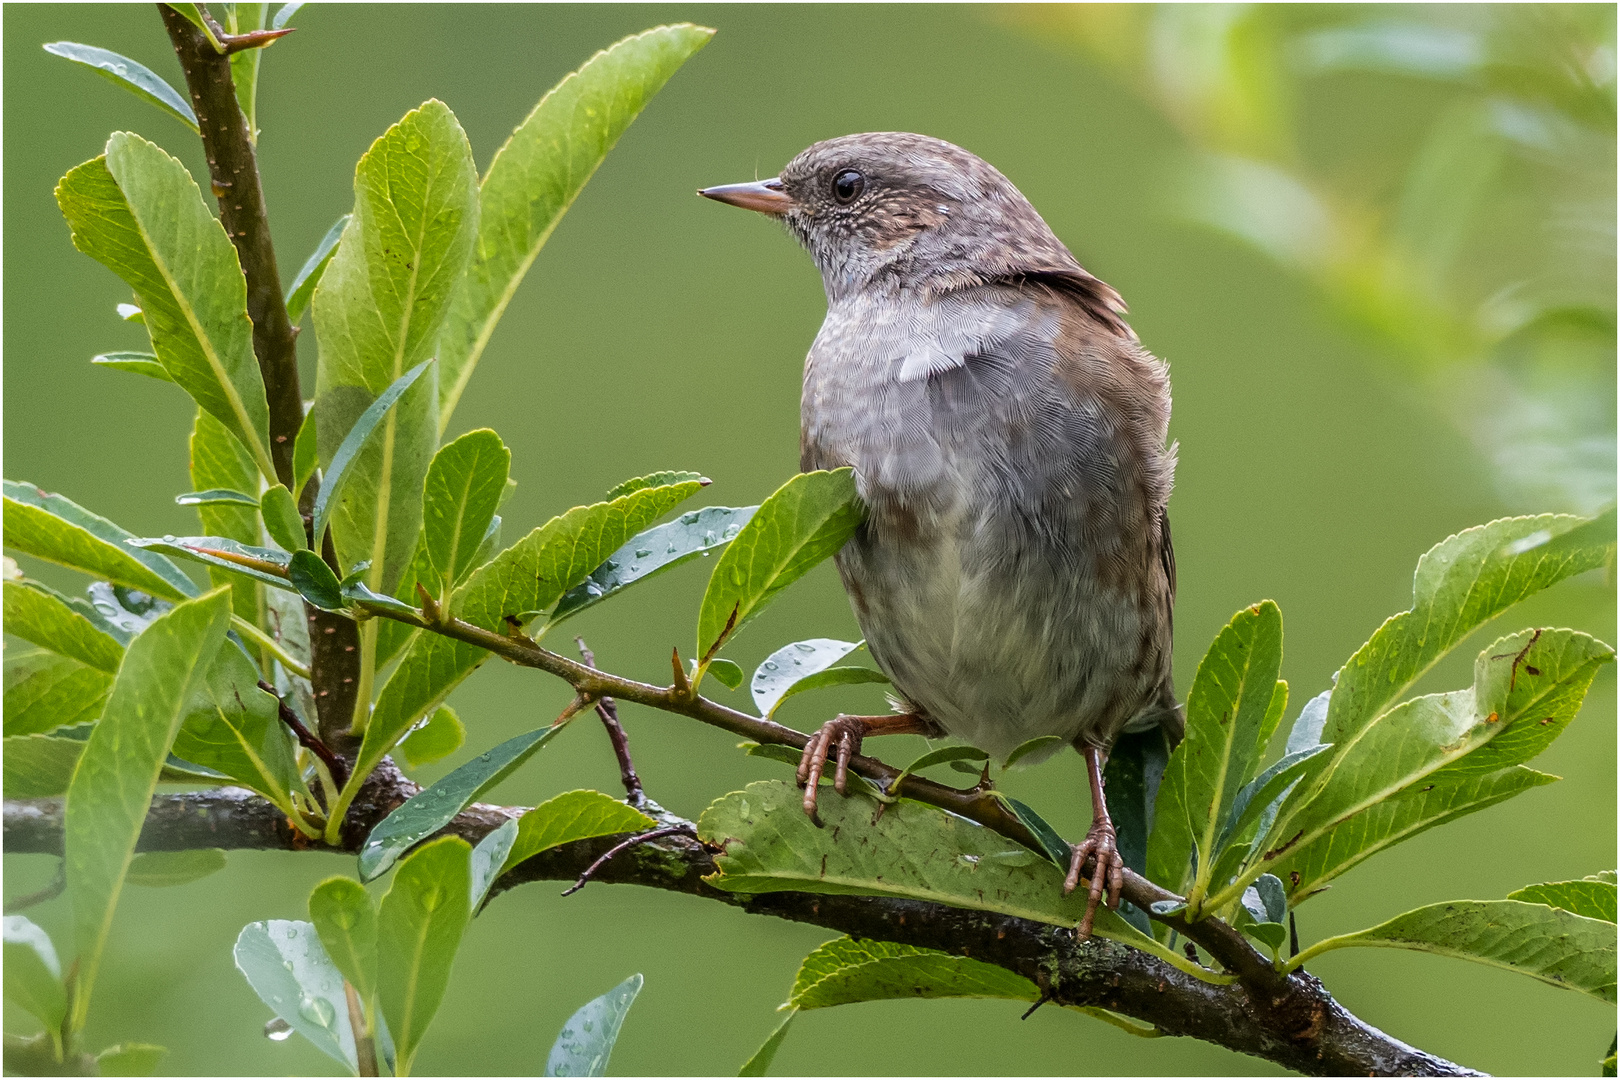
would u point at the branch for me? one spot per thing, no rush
(1298, 1025)
(233, 168)
(1217, 938)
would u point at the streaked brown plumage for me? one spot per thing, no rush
(1015, 576)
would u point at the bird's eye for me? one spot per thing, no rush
(848, 185)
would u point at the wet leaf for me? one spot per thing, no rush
(219, 462)
(58, 530)
(377, 313)
(430, 809)
(648, 554)
(268, 565)
(344, 917)
(527, 577)
(439, 736)
(419, 928)
(1588, 898)
(137, 211)
(586, 1040)
(1545, 943)
(309, 275)
(315, 581)
(536, 176)
(216, 497)
(1227, 709)
(845, 971)
(571, 816)
(291, 972)
(121, 71)
(464, 486)
(112, 787)
(785, 672)
(162, 869)
(488, 858)
(805, 521)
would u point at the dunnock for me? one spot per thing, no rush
(1014, 576)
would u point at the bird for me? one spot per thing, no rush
(1014, 575)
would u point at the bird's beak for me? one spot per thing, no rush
(766, 196)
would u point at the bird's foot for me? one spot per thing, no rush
(839, 739)
(1107, 877)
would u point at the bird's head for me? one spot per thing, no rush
(892, 210)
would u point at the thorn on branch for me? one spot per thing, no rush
(308, 739)
(608, 710)
(1046, 995)
(682, 689)
(430, 606)
(641, 838)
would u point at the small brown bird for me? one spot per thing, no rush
(1014, 576)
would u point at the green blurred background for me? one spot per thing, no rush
(1358, 373)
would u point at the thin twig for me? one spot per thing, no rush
(607, 856)
(608, 710)
(49, 892)
(308, 739)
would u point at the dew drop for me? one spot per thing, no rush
(708, 537)
(642, 553)
(277, 1030)
(670, 550)
(770, 665)
(689, 518)
(317, 1011)
(804, 646)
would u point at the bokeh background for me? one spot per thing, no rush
(1376, 246)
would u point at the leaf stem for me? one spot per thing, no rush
(269, 645)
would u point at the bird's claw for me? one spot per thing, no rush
(838, 739)
(1107, 875)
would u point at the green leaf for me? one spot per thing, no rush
(845, 971)
(528, 577)
(137, 211)
(37, 615)
(650, 553)
(118, 772)
(348, 461)
(488, 858)
(216, 497)
(285, 13)
(305, 457)
(805, 665)
(439, 736)
(760, 1063)
(1263, 795)
(378, 310)
(430, 809)
(59, 530)
(805, 521)
(219, 462)
(1041, 746)
(729, 674)
(161, 869)
(419, 927)
(1132, 778)
(315, 581)
(131, 313)
(464, 486)
(129, 1059)
(33, 975)
(1460, 584)
(573, 815)
(39, 766)
(268, 565)
(45, 691)
(652, 480)
(309, 275)
(121, 71)
(938, 757)
(288, 968)
(536, 176)
(913, 851)
(139, 363)
(346, 920)
(282, 520)
(1589, 899)
(1545, 943)
(1053, 846)
(586, 1040)
(1437, 740)
(1227, 708)
(234, 727)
